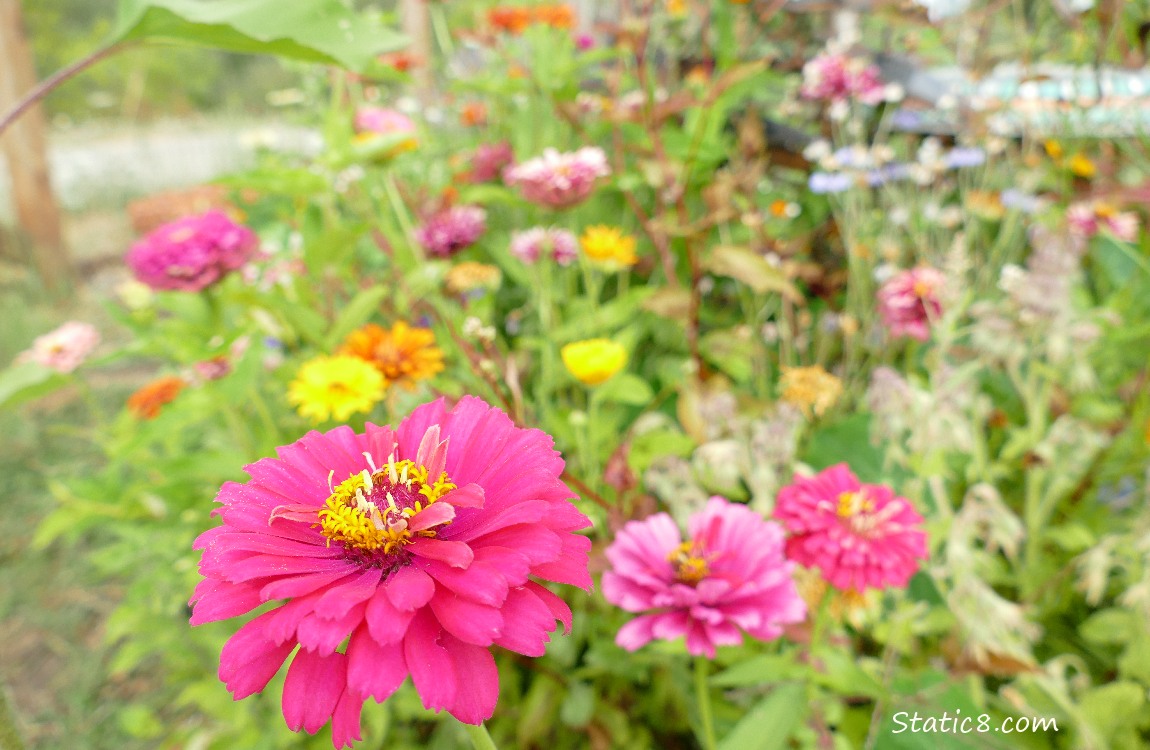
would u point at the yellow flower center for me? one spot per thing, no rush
(852, 504)
(690, 563)
(370, 510)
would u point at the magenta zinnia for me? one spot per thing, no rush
(451, 230)
(418, 547)
(859, 535)
(729, 575)
(192, 253)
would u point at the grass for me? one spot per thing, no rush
(52, 653)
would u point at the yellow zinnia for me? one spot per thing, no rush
(609, 247)
(402, 354)
(335, 388)
(595, 360)
(1082, 166)
(810, 389)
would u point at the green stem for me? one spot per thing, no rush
(9, 732)
(480, 738)
(703, 696)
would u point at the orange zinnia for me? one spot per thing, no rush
(510, 19)
(556, 16)
(402, 355)
(147, 402)
(473, 113)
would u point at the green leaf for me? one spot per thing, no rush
(1109, 626)
(768, 726)
(27, 381)
(846, 441)
(649, 446)
(322, 31)
(355, 314)
(625, 388)
(745, 265)
(759, 670)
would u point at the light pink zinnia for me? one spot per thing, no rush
(909, 302)
(192, 253)
(65, 348)
(836, 77)
(729, 575)
(530, 245)
(859, 535)
(559, 180)
(382, 121)
(451, 230)
(419, 547)
(1088, 218)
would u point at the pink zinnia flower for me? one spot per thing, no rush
(63, 349)
(859, 535)
(193, 253)
(447, 232)
(530, 245)
(836, 77)
(383, 121)
(1088, 218)
(422, 545)
(559, 180)
(489, 161)
(909, 302)
(729, 575)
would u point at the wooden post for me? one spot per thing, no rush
(24, 146)
(416, 18)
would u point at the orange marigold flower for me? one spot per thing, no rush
(147, 402)
(402, 355)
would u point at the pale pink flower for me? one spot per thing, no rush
(910, 301)
(836, 77)
(193, 253)
(388, 554)
(1088, 218)
(530, 245)
(729, 577)
(451, 230)
(559, 180)
(858, 535)
(382, 121)
(63, 349)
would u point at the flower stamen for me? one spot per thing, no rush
(369, 511)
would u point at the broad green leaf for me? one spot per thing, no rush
(27, 381)
(759, 670)
(768, 726)
(625, 388)
(355, 314)
(322, 31)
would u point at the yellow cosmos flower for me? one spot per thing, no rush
(1053, 149)
(810, 389)
(335, 388)
(402, 355)
(1081, 166)
(594, 361)
(609, 247)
